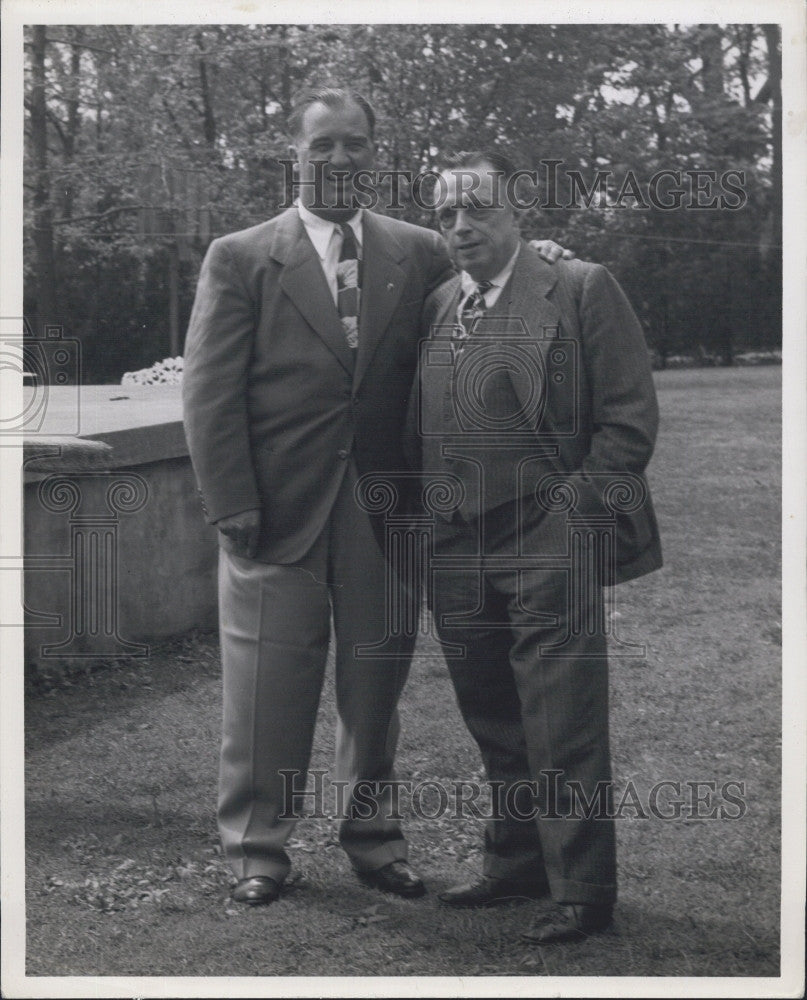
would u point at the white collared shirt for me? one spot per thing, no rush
(497, 284)
(327, 239)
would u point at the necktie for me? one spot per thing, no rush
(348, 285)
(472, 309)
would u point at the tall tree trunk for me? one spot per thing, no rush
(173, 299)
(775, 82)
(772, 260)
(209, 118)
(73, 123)
(711, 51)
(46, 290)
(284, 55)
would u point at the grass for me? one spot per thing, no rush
(124, 874)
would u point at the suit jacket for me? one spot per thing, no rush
(274, 405)
(602, 420)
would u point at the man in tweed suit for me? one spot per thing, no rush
(534, 401)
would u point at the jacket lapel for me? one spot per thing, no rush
(382, 285)
(525, 297)
(446, 301)
(303, 280)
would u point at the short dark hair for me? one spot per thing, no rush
(478, 158)
(333, 97)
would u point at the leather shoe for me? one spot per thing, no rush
(570, 922)
(488, 891)
(396, 877)
(256, 891)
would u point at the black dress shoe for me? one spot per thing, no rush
(570, 922)
(257, 891)
(396, 877)
(488, 891)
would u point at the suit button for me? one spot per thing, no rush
(355, 400)
(343, 453)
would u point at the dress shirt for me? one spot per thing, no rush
(497, 284)
(327, 239)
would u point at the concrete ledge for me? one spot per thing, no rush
(139, 424)
(44, 455)
(117, 552)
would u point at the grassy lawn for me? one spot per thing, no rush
(124, 875)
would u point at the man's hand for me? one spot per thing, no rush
(552, 251)
(242, 531)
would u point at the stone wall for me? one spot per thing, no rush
(117, 552)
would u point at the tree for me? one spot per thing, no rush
(143, 142)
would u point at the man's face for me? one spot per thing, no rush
(340, 138)
(477, 223)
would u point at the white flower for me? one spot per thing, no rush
(165, 372)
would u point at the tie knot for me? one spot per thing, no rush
(476, 299)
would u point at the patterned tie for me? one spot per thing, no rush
(348, 285)
(473, 308)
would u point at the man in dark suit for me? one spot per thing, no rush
(535, 404)
(299, 360)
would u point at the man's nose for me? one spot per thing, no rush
(461, 223)
(339, 156)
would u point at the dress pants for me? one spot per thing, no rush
(540, 720)
(275, 627)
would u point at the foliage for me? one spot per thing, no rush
(144, 141)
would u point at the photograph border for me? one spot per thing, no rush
(791, 15)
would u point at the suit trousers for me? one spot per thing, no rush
(275, 625)
(538, 714)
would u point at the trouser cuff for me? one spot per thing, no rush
(585, 893)
(373, 858)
